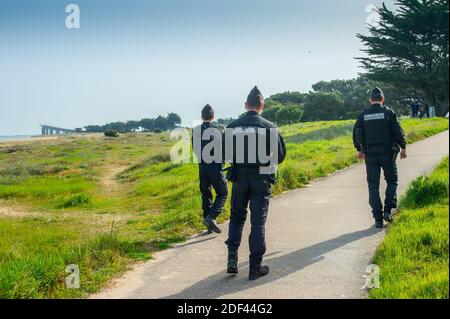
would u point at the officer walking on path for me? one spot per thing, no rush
(210, 169)
(252, 178)
(378, 137)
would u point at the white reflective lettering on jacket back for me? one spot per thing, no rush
(374, 116)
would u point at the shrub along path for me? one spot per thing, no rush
(320, 240)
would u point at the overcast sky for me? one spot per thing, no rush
(141, 58)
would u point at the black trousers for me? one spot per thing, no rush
(374, 164)
(254, 192)
(212, 177)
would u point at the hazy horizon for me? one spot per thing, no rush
(145, 58)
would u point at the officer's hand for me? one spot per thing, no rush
(361, 155)
(403, 154)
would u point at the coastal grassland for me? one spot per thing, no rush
(414, 257)
(102, 202)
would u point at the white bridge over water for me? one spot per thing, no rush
(53, 130)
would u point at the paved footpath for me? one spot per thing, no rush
(320, 241)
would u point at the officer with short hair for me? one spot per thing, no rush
(210, 170)
(378, 137)
(252, 181)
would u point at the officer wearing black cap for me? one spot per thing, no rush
(252, 181)
(210, 169)
(378, 137)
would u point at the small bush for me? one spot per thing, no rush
(160, 158)
(14, 169)
(288, 176)
(111, 133)
(76, 201)
(43, 169)
(151, 160)
(25, 169)
(171, 167)
(425, 191)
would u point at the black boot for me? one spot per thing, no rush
(256, 273)
(232, 267)
(212, 225)
(378, 219)
(387, 216)
(379, 223)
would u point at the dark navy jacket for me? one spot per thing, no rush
(253, 120)
(217, 134)
(378, 126)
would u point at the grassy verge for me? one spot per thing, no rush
(414, 257)
(103, 202)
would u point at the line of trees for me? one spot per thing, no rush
(329, 100)
(158, 124)
(407, 56)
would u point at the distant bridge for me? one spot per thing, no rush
(53, 130)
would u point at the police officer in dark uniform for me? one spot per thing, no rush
(379, 138)
(251, 184)
(211, 170)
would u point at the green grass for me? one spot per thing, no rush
(414, 257)
(34, 267)
(152, 203)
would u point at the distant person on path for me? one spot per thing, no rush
(252, 182)
(378, 138)
(424, 111)
(210, 171)
(415, 108)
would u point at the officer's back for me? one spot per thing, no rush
(253, 126)
(254, 140)
(208, 133)
(378, 137)
(208, 147)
